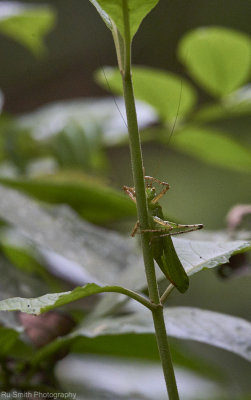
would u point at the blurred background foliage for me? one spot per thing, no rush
(63, 140)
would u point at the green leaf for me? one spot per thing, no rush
(219, 59)
(197, 255)
(113, 10)
(27, 24)
(218, 255)
(171, 96)
(23, 255)
(102, 253)
(118, 334)
(213, 147)
(1, 101)
(107, 256)
(53, 300)
(93, 201)
(15, 283)
(8, 338)
(234, 105)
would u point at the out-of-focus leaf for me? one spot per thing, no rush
(74, 148)
(113, 10)
(25, 257)
(16, 144)
(1, 101)
(8, 338)
(102, 253)
(213, 147)
(26, 24)
(15, 283)
(93, 201)
(219, 59)
(118, 335)
(91, 115)
(111, 378)
(171, 96)
(234, 105)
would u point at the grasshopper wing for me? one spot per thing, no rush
(171, 266)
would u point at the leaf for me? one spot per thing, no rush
(213, 147)
(94, 116)
(106, 256)
(234, 105)
(97, 378)
(219, 59)
(15, 283)
(1, 100)
(113, 10)
(8, 338)
(100, 252)
(23, 255)
(26, 24)
(113, 336)
(93, 201)
(53, 300)
(197, 255)
(170, 95)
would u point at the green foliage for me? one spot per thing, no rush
(75, 136)
(111, 11)
(219, 59)
(93, 201)
(75, 239)
(214, 147)
(152, 86)
(27, 24)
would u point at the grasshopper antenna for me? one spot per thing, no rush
(113, 96)
(109, 87)
(177, 114)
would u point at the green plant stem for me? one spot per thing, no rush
(166, 293)
(139, 184)
(130, 293)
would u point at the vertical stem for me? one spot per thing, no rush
(139, 184)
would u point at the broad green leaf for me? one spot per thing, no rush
(113, 10)
(213, 147)
(219, 59)
(102, 253)
(115, 335)
(170, 95)
(53, 300)
(26, 24)
(197, 255)
(93, 201)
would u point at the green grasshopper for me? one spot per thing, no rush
(160, 234)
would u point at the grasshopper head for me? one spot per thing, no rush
(150, 192)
